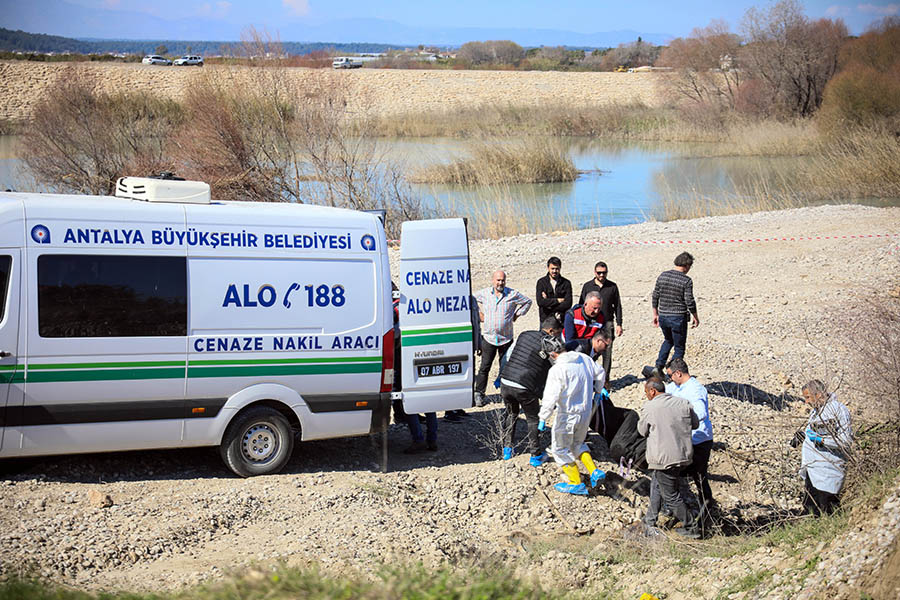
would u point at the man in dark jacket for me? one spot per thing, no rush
(522, 385)
(612, 307)
(553, 293)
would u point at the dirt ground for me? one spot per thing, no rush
(372, 91)
(768, 307)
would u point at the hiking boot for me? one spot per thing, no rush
(416, 448)
(479, 400)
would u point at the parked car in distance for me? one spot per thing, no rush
(155, 59)
(189, 61)
(345, 62)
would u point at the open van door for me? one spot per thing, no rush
(436, 357)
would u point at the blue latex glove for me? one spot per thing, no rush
(604, 394)
(814, 437)
(542, 425)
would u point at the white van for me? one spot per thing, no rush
(161, 319)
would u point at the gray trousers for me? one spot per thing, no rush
(664, 488)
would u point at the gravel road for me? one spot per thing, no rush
(767, 309)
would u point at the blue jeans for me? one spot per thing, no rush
(415, 429)
(674, 330)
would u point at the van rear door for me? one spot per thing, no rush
(436, 356)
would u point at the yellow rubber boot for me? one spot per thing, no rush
(571, 471)
(588, 462)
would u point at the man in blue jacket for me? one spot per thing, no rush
(687, 387)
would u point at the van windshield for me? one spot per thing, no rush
(5, 264)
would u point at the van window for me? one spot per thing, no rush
(111, 296)
(5, 264)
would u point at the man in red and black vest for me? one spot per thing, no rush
(582, 322)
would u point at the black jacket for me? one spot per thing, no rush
(609, 293)
(525, 365)
(548, 306)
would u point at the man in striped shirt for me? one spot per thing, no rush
(498, 307)
(673, 301)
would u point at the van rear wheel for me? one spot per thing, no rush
(258, 442)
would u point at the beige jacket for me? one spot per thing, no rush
(666, 422)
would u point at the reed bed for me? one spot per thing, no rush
(525, 161)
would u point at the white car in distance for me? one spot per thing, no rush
(155, 59)
(189, 61)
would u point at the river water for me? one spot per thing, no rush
(618, 183)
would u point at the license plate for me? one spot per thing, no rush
(438, 369)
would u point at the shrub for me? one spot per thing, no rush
(82, 139)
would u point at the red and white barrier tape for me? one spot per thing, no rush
(727, 241)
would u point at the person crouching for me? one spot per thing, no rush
(667, 421)
(571, 384)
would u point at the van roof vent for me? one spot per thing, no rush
(163, 190)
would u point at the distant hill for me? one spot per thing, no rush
(21, 41)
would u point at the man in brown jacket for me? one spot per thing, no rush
(666, 421)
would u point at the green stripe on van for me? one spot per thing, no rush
(440, 338)
(104, 374)
(273, 370)
(435, 330)
(106, 365)
(285, 361)
(124, 371)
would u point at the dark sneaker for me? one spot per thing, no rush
(432, 446)
(693, 533)
(452, 417)
(479, 400)
(463, 414)
(416, 448)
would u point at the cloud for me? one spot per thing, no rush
(297, 7)
(837, 11)
(220, 10)
(885, 10)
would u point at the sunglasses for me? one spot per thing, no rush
(601, 273)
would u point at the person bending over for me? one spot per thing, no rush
(572, 383)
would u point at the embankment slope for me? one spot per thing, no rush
(378, 91)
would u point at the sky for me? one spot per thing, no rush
(298, 20)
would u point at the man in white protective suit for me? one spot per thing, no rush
(572, 383)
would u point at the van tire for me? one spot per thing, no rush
(258, 442)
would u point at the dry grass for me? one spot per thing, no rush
(529, 161)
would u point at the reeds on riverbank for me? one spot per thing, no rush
(860, 165)
(524, 161)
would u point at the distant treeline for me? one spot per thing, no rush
(21, 41)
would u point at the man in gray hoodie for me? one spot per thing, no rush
(666, 421)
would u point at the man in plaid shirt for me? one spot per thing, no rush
(498, 307)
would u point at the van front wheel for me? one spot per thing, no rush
(257, 442)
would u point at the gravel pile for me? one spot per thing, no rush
(175, 518)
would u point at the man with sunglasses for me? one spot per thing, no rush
(611, 308)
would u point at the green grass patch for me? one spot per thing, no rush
(745, 584)
(408, 583)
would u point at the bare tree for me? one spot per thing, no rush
(502, 52)
(632, 54)
(706, 65)
(82, 139)
(793, 55)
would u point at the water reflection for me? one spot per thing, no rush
(619, 183)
